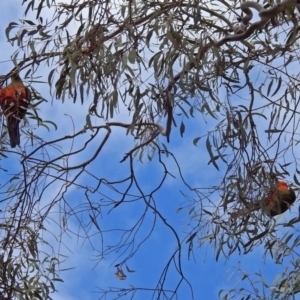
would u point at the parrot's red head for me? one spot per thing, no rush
(282, 186)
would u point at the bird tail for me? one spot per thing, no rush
(13, 131)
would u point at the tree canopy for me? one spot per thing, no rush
(144, 79)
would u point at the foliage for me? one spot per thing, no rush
(26, 271)
(164, 63)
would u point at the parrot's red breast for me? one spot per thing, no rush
(14, 100)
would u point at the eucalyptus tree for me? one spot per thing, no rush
(145, 70)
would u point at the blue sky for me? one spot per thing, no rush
(90, 274)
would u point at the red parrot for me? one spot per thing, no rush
(14, 100)
(275, 203)
(279, 201)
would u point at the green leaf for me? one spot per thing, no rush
(29, 22)
(292, 92)
(278, 86)
(132, 56)
(269, 87)
(52, 123)
(207, 212)
(196, 140)
(182, 129)
(296, 179)
(191, 237)
(212, 157)
(88, 122)
(273, 130)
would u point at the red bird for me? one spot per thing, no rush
(14, 100)
(275, 203)
(280, 200)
